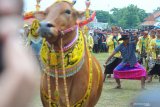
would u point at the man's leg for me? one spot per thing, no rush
(96, 48)
(152, 72)
(156, 76)
(118, 83)
(159, 73)
(104, 78)
(141, 61)
(143, 82)
(150, 78)
(109, 76)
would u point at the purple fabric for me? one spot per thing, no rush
(126, 72)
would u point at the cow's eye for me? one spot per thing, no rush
(68, 11)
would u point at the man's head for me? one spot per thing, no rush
(135, 33)
(125, 38)
(115, 33)
(152, 33)
(145, 34)
(126, 41)
(115, 30)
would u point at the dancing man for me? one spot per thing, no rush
(129, 68)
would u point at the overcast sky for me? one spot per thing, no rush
(106, 5)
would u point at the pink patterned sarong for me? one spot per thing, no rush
(126, 72)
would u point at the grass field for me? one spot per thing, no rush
(111, 97)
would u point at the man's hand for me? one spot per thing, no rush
(106, 62)
(104, 65)
(110, 57)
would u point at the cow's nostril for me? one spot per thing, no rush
(50, 25)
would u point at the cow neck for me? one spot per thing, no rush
(68, 39)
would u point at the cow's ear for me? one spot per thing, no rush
(40, 15)
(80, 14)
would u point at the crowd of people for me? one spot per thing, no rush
(142, 48)
(133, 55)
(146, 48)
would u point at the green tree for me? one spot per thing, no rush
(103, 16)
(142, 14)
(127, 17)
(156, 10)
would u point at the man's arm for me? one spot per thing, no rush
(136, 39)
(117, 49)
(110, 57)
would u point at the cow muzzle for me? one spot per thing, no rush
(47, 30)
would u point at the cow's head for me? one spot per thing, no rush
(58, 17)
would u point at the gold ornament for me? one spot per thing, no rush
(34, 27)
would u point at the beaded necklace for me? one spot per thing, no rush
(73, 58)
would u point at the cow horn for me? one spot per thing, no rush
(74, 2)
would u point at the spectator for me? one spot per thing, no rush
(100, 42)
(104, 48)
(95, 38)
(90, 41)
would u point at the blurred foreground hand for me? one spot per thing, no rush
(20, 75)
